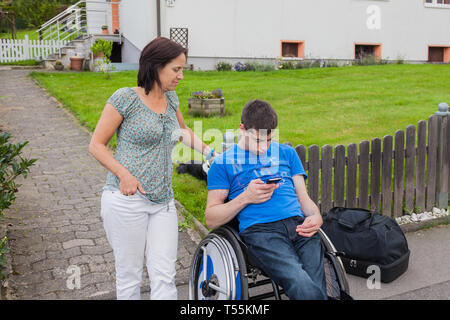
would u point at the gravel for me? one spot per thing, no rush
(418, 217)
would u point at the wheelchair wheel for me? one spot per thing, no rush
(218, 269)
(335, 275)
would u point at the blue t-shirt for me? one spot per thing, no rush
(235, 168)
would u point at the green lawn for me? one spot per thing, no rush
(315, 106)
(32, 34)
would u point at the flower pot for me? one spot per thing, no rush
(76, 63)
(206, 107)
(105, 31)
(99, 55)
(59, 67)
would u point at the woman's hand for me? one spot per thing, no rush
(129, 185)
(215, 154)
(310, 225)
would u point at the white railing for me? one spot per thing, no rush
(16, 50)
(67, 25)
(84, 17)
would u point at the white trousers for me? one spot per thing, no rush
(136, 226)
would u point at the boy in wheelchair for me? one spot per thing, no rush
(277, 221)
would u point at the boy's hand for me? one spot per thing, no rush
(259, 192)
(310, 225)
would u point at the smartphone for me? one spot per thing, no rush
(273, 180)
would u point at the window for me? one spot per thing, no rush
(437, 3)
(293, 49)
(367, 49)
(438, 54)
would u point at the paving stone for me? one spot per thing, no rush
(56, 222)
(77, 242)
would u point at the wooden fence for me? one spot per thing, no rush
(394, 175)
(17, 50)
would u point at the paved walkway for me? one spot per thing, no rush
(55, 222)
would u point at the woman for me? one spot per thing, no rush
(137, 205)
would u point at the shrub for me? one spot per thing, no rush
(286, 65)
(12, 165)
(103, 64)
(223, 66)
(215, 94)
(3, 250)
(241, 66)
(102, 46)
(369, 60)
(257, 66)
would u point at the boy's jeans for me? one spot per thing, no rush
(136, 226)
(292, 261)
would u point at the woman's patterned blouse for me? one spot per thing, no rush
(145, 141)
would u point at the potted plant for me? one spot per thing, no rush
(58, 65)
(76, 62)
(105, 29)
(101, 50)
(206, 103)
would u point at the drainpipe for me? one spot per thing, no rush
(158, 17)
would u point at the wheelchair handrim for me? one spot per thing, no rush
(221, 250)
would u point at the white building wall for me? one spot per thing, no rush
(98, 13)
(220, 29)
(138, 21)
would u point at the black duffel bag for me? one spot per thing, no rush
(367, 239)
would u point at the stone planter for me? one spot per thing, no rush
(59, 67)
(206, 107)
(76, 63)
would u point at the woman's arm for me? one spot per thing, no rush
(109, 121)
(190, 139)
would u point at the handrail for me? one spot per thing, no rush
(60, 15)
(74, 20)
(63, 24)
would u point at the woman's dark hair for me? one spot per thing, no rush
(259, 114)
(154, 57)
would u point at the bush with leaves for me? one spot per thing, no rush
(102, 50)
(241, 66)
(223, 66)
(215, 94)
(12, 165)
(3, 251)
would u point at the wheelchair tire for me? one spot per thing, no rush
(225, 266)
(334, 263)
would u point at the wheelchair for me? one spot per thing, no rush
(223, 269)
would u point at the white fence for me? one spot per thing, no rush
(17, 50)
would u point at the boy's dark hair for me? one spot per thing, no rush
(259, 114)
(154, 57)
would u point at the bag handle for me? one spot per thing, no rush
(349, 224)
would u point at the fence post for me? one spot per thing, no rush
(26, 48)
(442, 172)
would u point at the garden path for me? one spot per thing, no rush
(55, 226)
